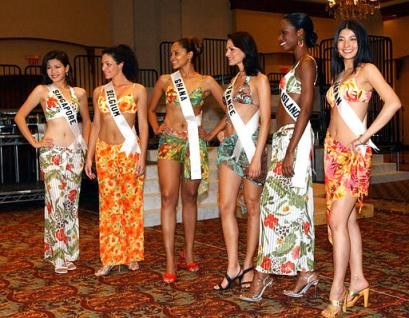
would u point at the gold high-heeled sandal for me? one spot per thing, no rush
(353, 297)
(133, 266)
(335, 308)
(311, 280)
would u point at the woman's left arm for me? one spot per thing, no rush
(264, 94)
(84, 111)
(391, 101)
(142, 101)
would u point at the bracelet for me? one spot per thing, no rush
(360, 141)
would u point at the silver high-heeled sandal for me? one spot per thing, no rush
(264, 283)
(104, 270)
(312, 280)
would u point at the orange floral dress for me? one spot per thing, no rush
(346, 171)
(121, 232)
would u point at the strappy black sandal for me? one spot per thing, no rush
(246, 284)
(230, 281)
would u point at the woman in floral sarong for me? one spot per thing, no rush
(120, 172)
(286, 245)
(347, 156)
(61, 158)
(248, 96)
(173, 154)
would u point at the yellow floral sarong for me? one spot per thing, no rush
(346, 171)
(120, 205)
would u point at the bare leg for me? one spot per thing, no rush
(252, 194)
(340, 213)
(358, 281)
(229, 184)
(189, 215)
(169, 181)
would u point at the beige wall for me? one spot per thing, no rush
(264, 27)
(157, 21)
(82, 21)
(397, 29)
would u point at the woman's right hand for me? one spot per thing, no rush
(163, 128)
(46, 142)
(88, 169)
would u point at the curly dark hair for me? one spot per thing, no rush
(245, 42)
(60, 56)
(123, 53)
(192, 44)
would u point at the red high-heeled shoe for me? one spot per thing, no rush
(191, 267)
(169, 278)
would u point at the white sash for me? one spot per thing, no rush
(351, 119)
(304, 147)
(244, 131)
(130, 144)
(192, 125)
(69, 115)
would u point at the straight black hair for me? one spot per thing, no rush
(302, 21)
(363, 54)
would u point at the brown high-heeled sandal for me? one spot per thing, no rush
(353, 297)
(335, 308)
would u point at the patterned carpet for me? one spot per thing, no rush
(29, 287)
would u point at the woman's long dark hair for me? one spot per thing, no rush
(245, 42)
(123, 53)
(362, 56)
(60, 56)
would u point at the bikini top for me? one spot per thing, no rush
(350, 91)
(243, 95)
(290, 83)
(126, 103)
(196, 96)
(52, 108)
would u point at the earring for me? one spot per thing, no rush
(66, 74)
(300, 41)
